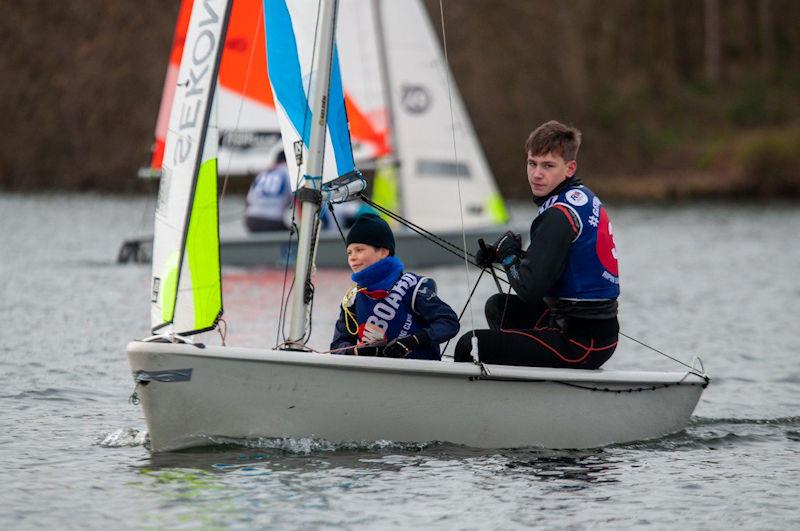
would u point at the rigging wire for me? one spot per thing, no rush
(433, 238)
(279, 332)
(458, 177)
(469, 298)
(642, 343)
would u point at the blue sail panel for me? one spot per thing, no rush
(290, 31)
(337, 121)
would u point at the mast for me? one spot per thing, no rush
(387, 166)
(386, 88)
(310, 192)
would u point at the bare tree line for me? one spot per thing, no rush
(82, 79)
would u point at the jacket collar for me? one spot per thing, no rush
(569, 182)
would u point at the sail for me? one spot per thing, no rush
(290, 33)
(359, 47)
(164, 109)
(424, 130)
(249, 131)
(186, 281)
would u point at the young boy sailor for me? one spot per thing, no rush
(567, 282)
(389, 313)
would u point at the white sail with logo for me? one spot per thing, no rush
(425, 129)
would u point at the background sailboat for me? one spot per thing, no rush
(405, 121)
(195, 394)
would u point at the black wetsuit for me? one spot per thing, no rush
(536, 327)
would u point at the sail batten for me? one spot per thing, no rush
(186, 280)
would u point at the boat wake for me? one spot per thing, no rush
(130, 437)
(780, 421)
(702, 432)
(714, 433)
(309, 445)
(124, 438)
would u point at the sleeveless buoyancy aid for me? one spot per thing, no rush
(270, 194)
(591, 271)
(384, 318)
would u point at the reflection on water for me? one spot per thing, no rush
(368, 486)
(580, 469)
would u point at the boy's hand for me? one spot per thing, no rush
(508, 248)
(400, 347)
(365, 350)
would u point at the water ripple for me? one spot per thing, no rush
(780, 421)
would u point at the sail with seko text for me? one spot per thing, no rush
(186, 293)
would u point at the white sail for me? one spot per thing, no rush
(430, 164)
(186, 290)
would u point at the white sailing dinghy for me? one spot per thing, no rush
(197, 395)
(398, 105)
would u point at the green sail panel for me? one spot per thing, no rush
(202, 249)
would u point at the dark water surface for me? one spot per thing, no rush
(719, 281)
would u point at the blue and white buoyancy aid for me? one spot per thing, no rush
(270, 194)
(592, 270)
(393, 315)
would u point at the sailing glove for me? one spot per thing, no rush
(485, 255)
(366, 350)
(508, 248)
(400, 347)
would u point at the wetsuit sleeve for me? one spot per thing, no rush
(544, 261)
(341, 337)
(442, 322)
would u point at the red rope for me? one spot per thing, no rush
(550, 348)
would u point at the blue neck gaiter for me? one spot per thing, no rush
(380, 275)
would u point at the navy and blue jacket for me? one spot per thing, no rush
(397, 305)
(571, 262)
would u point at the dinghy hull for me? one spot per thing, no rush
(238, 393)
